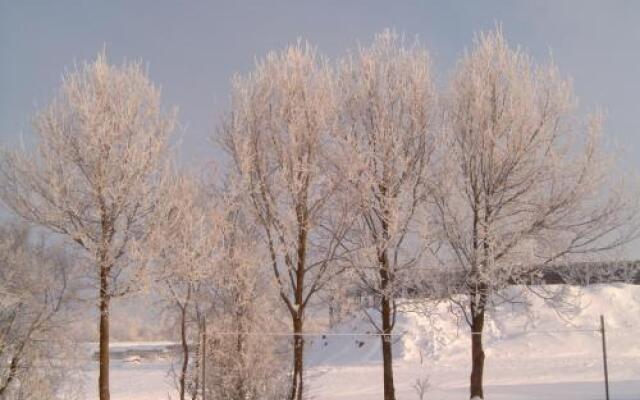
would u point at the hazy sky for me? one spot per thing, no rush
(192, 48)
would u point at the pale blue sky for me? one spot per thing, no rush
(193, 47)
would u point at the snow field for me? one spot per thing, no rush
(536, 355)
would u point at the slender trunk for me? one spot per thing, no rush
(240, 384)
(298, 314)
(13, 366)
(387, 328)
(105, 265)
(477, 307)
(387, 355)
(185, 346)
(103, 379)
(477, 352)
(332, 318)
(196, 372)
(204, 358)
(387, 313)
(298, 360)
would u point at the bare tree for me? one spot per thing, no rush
(101, 151)
(526, 184)
(386, 142)
(281, 116)
(35, 352)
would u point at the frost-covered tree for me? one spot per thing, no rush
(242, 362)
(184, 248)
(276, 133)
(93, 177)
(385, 143)
(525, 182)
(209, 267)
(34, 315)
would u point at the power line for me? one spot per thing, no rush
(236, 333)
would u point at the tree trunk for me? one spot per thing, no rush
(387, 355)
(185, 348)
(298, 360)
(204, 357)
(196, 373)
(477, 307)
(13, 366)
(240, 384)
(387, 313)
(103, 379)
(387, 317)
(297, 314)
(332, 317)
(477, 353)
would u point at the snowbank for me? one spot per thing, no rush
(512, 330)
(528, 353)
(541, 354)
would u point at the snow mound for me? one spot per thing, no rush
(433, 332)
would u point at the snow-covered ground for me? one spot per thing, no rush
(542, 356)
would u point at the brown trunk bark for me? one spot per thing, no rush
(477, 354)
(477, 307)
(387, 320)
(196, 373)
(103, 379)
(13, 366)
(240, 384)
(387, 355)
(204, 358)
(298, 360)
(297, 314)
(185, 348)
